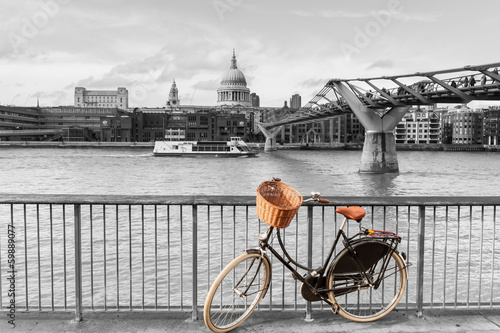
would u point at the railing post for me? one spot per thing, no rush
(420, 260)
(195, 262)
(309, 254)
(78, 262)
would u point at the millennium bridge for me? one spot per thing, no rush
(381, 102)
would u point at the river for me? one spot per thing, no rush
(137, 172)
(332, 172)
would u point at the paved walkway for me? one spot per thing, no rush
(261, 322)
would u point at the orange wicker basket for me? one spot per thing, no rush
(277, 203)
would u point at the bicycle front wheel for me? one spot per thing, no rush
(237, 291)
(367, 297)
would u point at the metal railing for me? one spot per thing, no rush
(120, 253)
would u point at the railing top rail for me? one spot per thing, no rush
(234, 200)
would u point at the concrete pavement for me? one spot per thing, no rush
(260, 321)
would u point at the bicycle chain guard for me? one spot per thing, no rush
(306, 292)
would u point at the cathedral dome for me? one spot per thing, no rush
(233, 76)
(233, 87)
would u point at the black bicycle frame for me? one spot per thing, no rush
(319, 272)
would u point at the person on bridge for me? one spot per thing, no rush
(483, 80)
(472, 81)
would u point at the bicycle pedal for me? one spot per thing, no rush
(335, 309)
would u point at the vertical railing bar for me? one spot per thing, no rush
(182, 257)
(309, 254)
(221, 239)
(130, 255)
(408, 247)
(195, 262)
(457, 256)
(246, 227)
(51, 257)
(372, 217)
(283, 276)
(39, 266)
(168, 257)
(209, 245)
(493, 255)
(117, 262)
(323, 249)
(104, 256)
(234, 232)
(91, 258)
(420, 260)
(396, 208)
(142, 254)
(433, 255)
(445, 255)
(470, 256)
(383, 228)
(156, 256)
(64, 258)
(25, 256)
(481, 257)
(296, 256)
(78, 261)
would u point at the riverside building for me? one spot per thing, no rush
(462, 126)
(66, 123)
(419, 127)
(101, 98)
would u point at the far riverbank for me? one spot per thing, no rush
(259, 146)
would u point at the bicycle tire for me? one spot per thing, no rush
(354, 299)
(225, 309)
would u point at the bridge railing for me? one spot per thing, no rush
(118, 253)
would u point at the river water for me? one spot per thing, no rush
(332, 172)
(134, 248)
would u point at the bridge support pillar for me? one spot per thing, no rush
(270, 135)
(379, 153)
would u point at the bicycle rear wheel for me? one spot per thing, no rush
(237, 291)
(356, 299)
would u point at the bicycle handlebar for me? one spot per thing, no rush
(315, 196)
(323, 201)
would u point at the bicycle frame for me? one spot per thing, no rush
(309, 278)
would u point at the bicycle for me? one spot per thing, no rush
(364, 281)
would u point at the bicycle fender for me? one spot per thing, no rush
(253, 251)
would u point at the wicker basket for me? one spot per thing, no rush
(277, 203)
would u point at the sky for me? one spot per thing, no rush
(284, 47)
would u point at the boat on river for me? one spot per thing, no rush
(236, 147)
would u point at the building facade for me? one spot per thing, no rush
(101, 98)
(152, 125)
(491, 127)
(296, 102)
(67, 123)
(255, 99)
(417, 127)
(462, 126)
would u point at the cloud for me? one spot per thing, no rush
(329, 14)
(55, 98)
(210, 85)
(313, 83)
(341, 14)
(384, 63)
